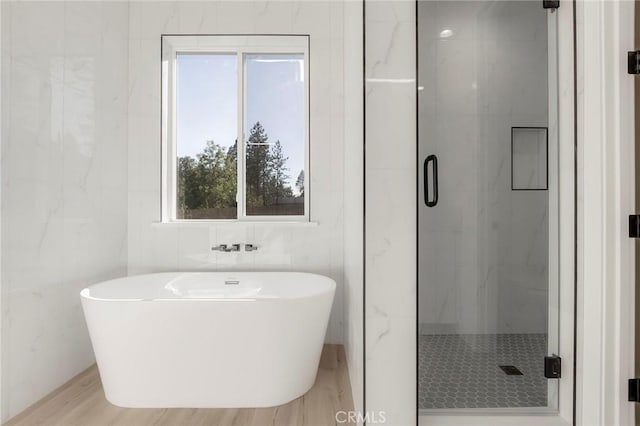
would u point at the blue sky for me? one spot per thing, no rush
(207, 105)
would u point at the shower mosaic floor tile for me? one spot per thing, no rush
(463, 371)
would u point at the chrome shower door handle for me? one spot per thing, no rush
(434, 160)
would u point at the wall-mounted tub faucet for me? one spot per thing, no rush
(225, 248)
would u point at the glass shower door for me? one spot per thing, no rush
(488, 214)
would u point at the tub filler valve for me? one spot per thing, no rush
(225, 248)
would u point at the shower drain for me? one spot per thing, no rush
(511, 370)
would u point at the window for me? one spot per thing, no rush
(235, 128)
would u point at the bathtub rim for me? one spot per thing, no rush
(328, 289)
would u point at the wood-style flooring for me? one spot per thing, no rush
(81, 402)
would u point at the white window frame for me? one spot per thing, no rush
(241, 45)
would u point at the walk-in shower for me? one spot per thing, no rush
(488, 208)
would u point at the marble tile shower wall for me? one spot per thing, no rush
(153, 247)
(484, 248)
(390, 303)
(64, 180)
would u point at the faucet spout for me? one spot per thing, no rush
(225, 248)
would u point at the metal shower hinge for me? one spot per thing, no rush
(552, 367)
(634, 226)
(633, 62)
(634, 390)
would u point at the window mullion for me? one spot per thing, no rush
(172, 148)
(241, 190)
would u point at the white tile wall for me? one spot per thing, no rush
(281, 247)
(64, 180)
(390, 275)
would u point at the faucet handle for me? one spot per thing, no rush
(250, 247)
(221, 247)
(234, 247)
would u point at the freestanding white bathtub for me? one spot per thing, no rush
(212, 339)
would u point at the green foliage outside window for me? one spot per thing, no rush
(207, 184)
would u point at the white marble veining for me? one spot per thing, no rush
(390, 206)
(316, 249)
(64, 171)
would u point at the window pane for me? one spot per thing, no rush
(275, 131)
(206, 108)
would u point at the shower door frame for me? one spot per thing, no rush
(565, 297)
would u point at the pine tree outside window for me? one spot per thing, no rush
(235, 128)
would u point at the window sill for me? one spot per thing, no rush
(210, 223)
